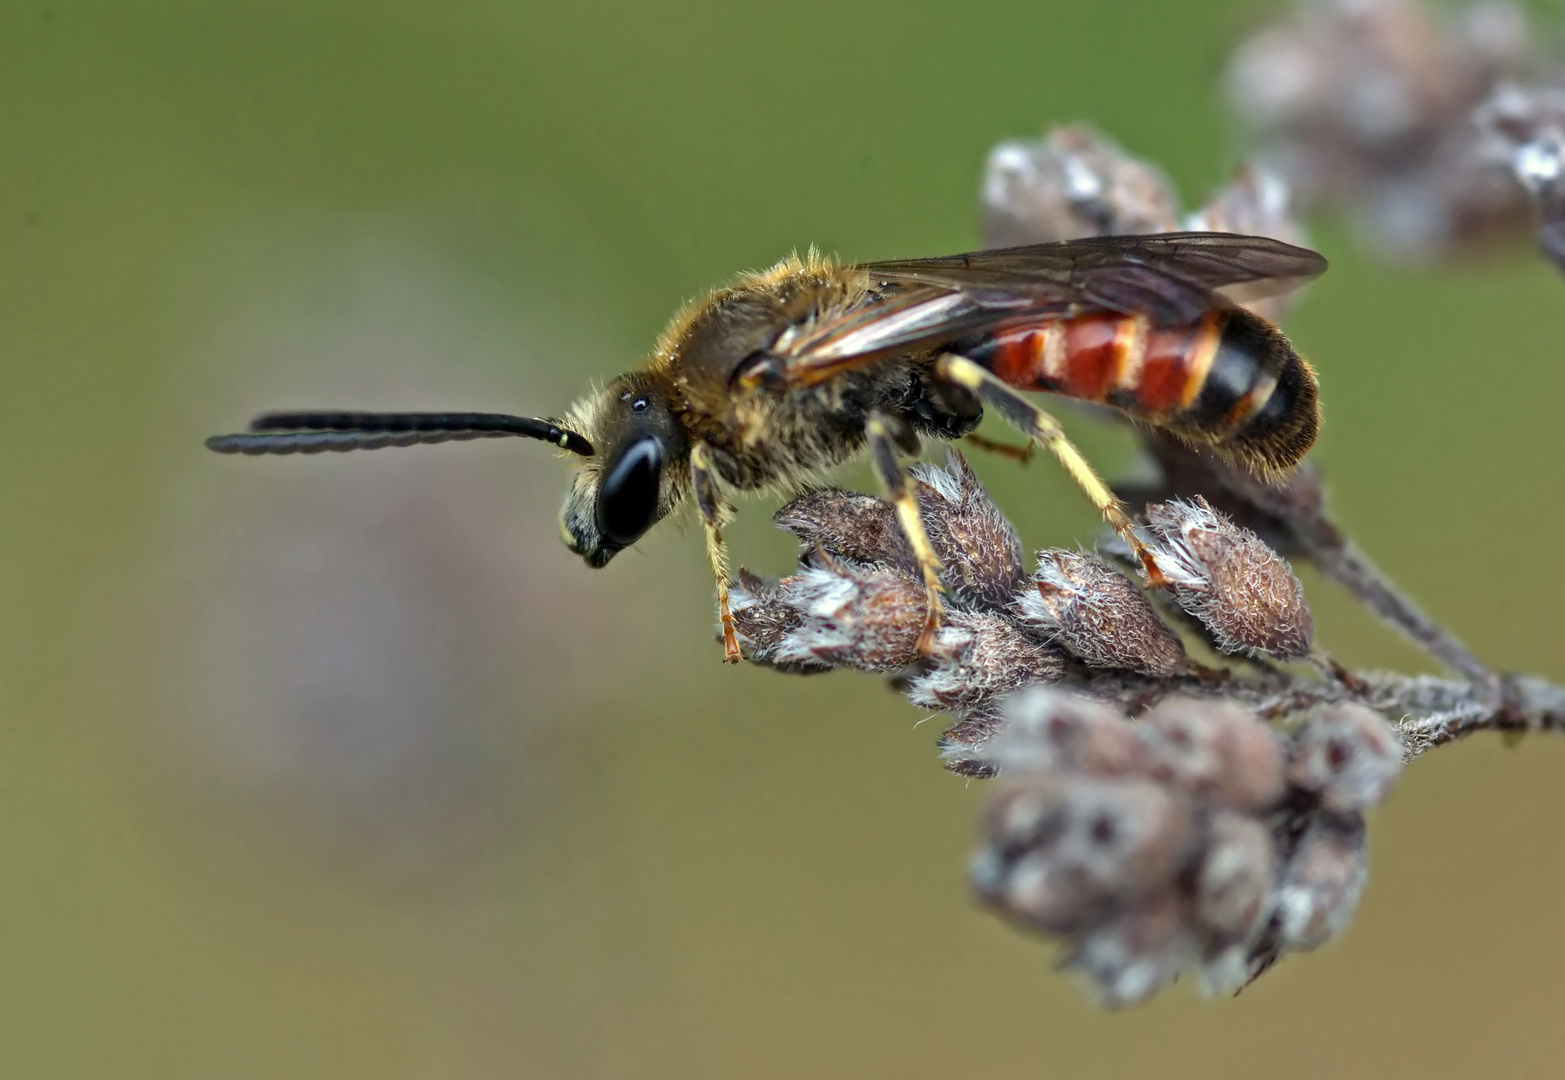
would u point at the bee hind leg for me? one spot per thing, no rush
(709, 501)
(1022, 454)
(1042, 428)
(888, 434)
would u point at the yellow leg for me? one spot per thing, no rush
(710, 503)
(1041, 427)
(884, 436)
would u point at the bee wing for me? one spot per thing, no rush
(899, 318)
(1172, 278)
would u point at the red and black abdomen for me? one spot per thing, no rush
(1230, 381)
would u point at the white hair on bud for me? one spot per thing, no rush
(1243, 592)
(820, 592)
(946, 481)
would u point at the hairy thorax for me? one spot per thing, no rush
(785, 440)
(778, 438)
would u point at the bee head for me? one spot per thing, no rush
(637, 475)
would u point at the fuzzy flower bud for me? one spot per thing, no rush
(1062, 852)
(979, 656)
(1133, 957)
(763, 620)
(1018, 872)
(1052, 731)
(980, 554)
(1098, 615)
(1216, 749)
(1159, 845)
(1256, 202)
(1074, 182)
(1347, 754)
(1524, 129)
(1242, 591)
(1233, 883)
(1322, 882)
(852, 616)
(848, 525)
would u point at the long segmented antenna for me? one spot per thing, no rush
(320, 432)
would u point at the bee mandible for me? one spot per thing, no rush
(768, 383)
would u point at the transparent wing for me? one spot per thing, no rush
(1172, 278)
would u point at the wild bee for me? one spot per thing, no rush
(768, 383)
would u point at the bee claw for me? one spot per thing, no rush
(731, 653)
(929, 645)
(1155, 578)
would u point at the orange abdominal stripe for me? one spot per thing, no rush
(1206, 380)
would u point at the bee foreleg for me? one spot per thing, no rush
(709, 501)
(1043, 428)
(886, 434)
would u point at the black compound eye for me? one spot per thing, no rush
(628, 498)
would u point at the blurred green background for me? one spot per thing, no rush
(343, 768)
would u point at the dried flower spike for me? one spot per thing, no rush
(1242, 591)
(1194, 838)
(1098, 615)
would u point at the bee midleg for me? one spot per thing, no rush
(709, 501)
(1043, 428)
(886, 434)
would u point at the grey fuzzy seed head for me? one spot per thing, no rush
(1064, 853)
(864, 618)
(1161, 844)
(1074, 182)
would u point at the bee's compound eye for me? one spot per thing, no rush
(628, 499)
